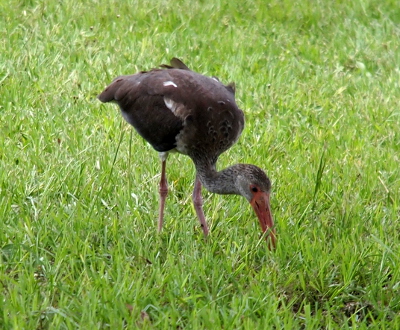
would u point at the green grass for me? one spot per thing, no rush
(319, 83)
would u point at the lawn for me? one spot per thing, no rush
(319, 83)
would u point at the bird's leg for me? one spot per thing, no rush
(163, 190)
(198, 206)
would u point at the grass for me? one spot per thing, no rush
(319, 82)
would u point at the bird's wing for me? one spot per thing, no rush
(162, 104)
(212, 122)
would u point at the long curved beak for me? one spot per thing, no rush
(261, 206)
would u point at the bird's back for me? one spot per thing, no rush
(175, 108)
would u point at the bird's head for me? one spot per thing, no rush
(255, 186)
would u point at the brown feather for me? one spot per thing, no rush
(176, 108)
(175, 63)
(207, 121)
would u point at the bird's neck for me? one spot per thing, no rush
(219, 182)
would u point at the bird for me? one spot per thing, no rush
(178, 110)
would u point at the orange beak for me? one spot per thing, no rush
(261, 206)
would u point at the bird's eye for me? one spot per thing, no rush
(254, 189)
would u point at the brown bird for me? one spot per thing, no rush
(176, 109)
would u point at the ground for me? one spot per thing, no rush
(319, 84)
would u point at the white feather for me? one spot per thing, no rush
(169, 83)
(171, 105)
